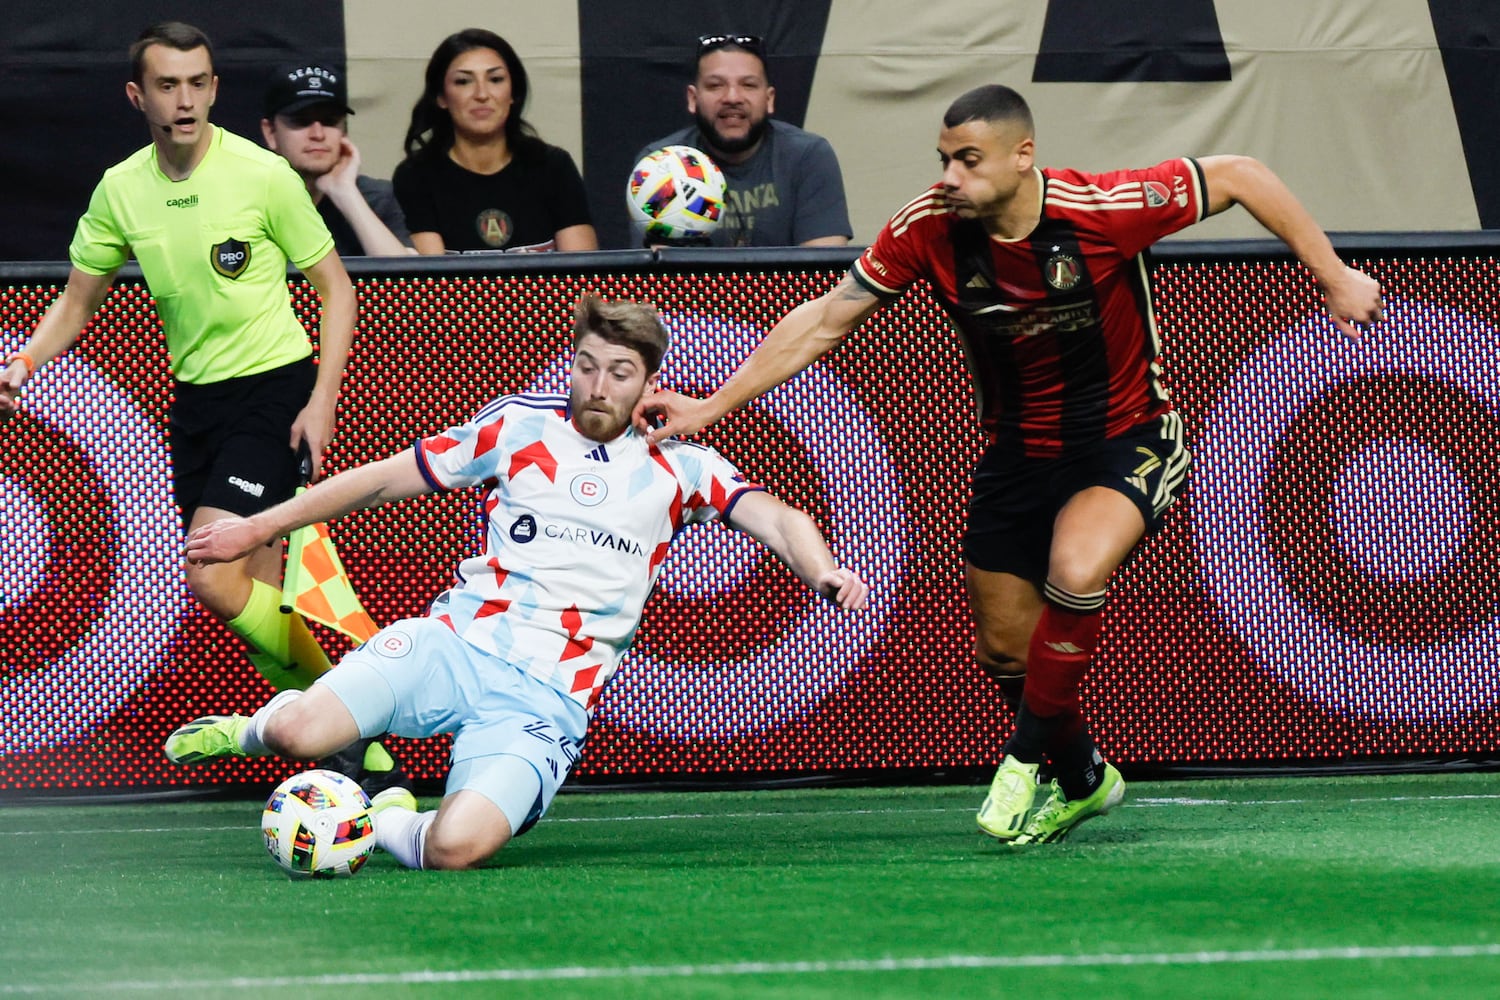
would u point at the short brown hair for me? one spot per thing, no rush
(174, 35)
(629, 324)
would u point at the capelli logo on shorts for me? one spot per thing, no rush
(254, 489)
(230, 258)
(391, 643)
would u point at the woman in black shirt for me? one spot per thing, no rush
(476, 174)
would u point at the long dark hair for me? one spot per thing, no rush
(431, 129)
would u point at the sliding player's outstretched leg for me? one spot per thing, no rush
(207, 738)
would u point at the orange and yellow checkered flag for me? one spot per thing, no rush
(317, 587)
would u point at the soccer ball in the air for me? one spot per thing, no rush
(678, 192)
(318, 825)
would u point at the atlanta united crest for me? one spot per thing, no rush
(1062, 271)
(494, 227)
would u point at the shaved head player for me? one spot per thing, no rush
(1041, 271)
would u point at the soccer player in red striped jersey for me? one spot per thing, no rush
(1041, 271)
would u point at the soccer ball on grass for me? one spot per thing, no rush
(317, 824)
(678, 192)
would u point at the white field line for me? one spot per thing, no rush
(205, 987)
(1148, 803)
(1187, 801)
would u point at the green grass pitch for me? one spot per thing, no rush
(1269, 888)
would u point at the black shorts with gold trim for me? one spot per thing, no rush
(1016, 499)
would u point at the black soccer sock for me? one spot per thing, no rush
(1080, 766)
(1030, 740)
(1011, 687)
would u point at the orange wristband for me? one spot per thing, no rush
(25, 359)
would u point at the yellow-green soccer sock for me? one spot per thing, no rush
(281, 646)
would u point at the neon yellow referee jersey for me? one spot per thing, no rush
(214, 249)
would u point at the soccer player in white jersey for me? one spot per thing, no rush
(513, 657)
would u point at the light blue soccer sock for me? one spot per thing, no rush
(252, 740)
(403, 833)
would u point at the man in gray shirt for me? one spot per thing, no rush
(785, 188)
(307, 107)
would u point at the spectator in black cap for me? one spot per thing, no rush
(307, 107)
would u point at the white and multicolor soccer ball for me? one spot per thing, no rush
(318, 825)
(678, 192)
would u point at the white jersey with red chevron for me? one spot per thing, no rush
(575, 534)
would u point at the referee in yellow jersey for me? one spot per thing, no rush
(213, 219)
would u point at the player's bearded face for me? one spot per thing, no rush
(606, 382)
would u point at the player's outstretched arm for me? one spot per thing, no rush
(58, 330)
(801, 337)
(231, 538)
(314, 425)
(795, 539)
(1352, 298)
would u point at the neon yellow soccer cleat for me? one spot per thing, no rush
(206, 738)
(1056, 817)
(1003, 815)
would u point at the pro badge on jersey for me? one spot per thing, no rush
(230, 258)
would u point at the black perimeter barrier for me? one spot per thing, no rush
(1323, 598)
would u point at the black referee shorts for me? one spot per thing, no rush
(230, 440)
(1016, 500)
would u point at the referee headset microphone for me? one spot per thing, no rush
(166, 127)
(141, 107)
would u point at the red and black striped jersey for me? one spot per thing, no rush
(1058, 325)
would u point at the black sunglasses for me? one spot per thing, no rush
(751, 43)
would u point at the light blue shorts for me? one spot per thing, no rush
(417, 678)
